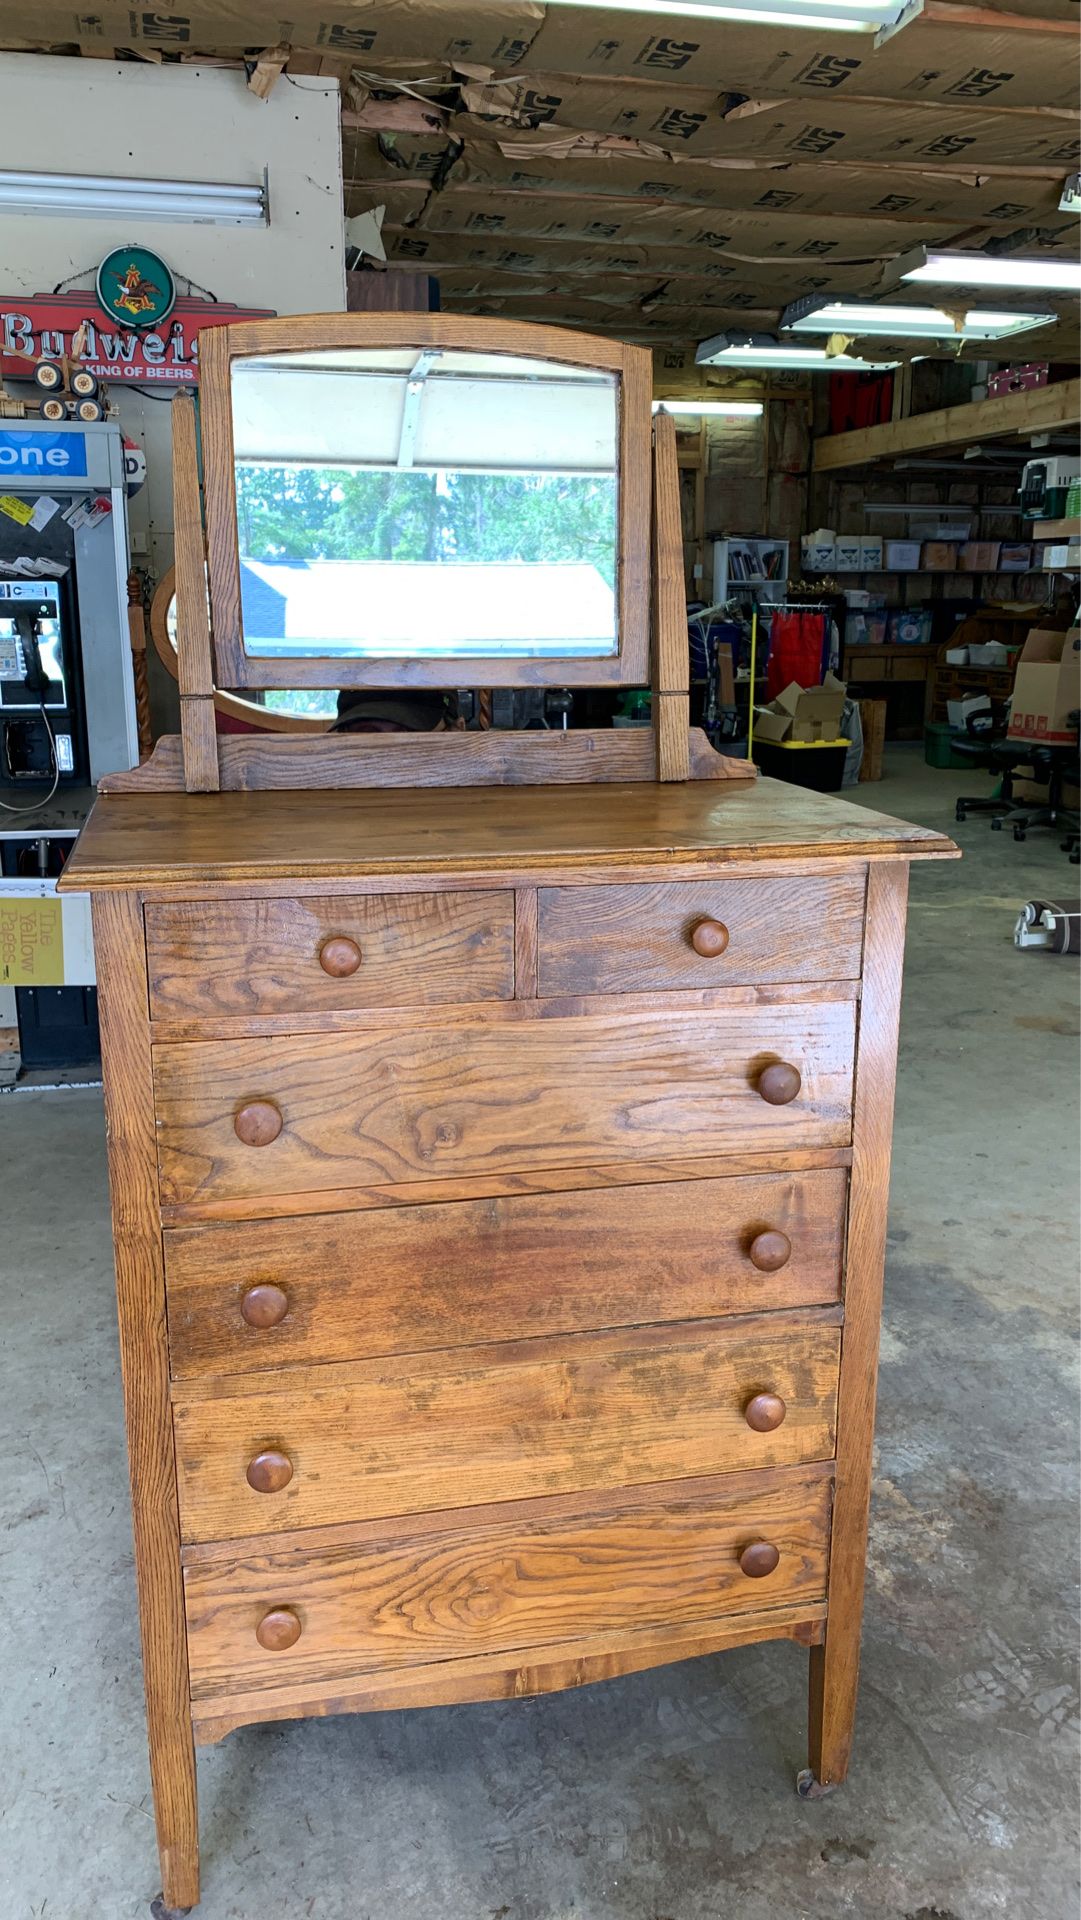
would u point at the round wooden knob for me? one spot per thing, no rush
(269, 1471)
(758, 1559)
(770, 1251)
(278, 1629)
(779, 1083)
(258, 1123)
(764, 1412)
(339, 956)
(264, 1305)
(709, 938)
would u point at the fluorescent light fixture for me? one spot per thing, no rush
(761, 350)
(987, 270)
(816, 314)
(101, 197)
(830, 16)
(746, 409)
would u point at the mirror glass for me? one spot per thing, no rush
(425, 503)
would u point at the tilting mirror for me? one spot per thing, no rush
(425, 503)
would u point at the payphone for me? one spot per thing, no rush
(42, 730)
(67, 716)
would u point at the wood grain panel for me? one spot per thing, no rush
(583, 756)
(476, 1425)
(411, 1193)
(328, 837)
(471, 1098)
(140, 1294)
(635, 939)
(406, 1279)
(659, 1557)
(216, 957)
(581, 1662)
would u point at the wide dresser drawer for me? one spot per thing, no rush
(326, 1445)
(448, 1587)
(343, 1286)
(327, 953)
(445, 1096)
(699, 933)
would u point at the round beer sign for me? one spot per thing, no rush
(135, 287)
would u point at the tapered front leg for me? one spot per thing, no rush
(144, 1359)
(834, 1666)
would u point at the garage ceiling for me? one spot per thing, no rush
(662, 177)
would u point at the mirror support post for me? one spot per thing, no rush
(194, 659)
(668, 611)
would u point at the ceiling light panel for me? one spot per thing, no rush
(865, 320)
(964, 270)
(99, 196)
(830, 16)
(735, 409)
(722, 351)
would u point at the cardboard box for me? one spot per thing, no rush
(979, 556)
(1047, 687)
(1014, 556)
(903, 556)
(803, 714)
(817, 550)
(957, 711)
(940, 556)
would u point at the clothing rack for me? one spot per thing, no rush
(774, 606)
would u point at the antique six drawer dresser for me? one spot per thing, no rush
(499, 1122)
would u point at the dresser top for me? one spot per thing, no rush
(133, 840)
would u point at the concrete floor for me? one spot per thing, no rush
(667, 1796)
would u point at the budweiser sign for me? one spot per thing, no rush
(44, 328)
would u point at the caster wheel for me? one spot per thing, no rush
(159, 1910)
(1017, 834)
(53, 410)
(1075, 857)
(90, 410)
(961, 816)
(84, 384)
(996, 824)
(49, 375)
(809, 1788)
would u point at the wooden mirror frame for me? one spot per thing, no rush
(632, 368)
(233, 705)
(654, 645)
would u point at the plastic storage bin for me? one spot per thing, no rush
(938, 739)
(818, 764)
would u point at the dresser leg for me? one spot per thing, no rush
(831, 1712)
(172, 1767)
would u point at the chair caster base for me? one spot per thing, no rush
(809, 1788)
(159, 1910)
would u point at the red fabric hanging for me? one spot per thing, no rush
(795, 650)
(859, 400)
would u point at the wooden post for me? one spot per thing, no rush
(671, 663)
(194, 659)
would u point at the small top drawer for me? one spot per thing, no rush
(214, 957)
(699, 933)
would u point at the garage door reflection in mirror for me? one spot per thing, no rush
(425, 503)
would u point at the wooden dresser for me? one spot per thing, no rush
(500, 1196)
(499, 1179)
